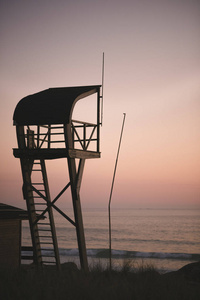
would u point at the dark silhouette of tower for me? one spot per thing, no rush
(45, 131)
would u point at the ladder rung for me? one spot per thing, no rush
(49, 262)
(44, 224)
(43, 229)
(63, 141)
(46, 249)
(53, 256)
(37, 170)
(46, 243)
(57, 133)
(37, 183)
(45, 236)
(26, 257)
(56, 127)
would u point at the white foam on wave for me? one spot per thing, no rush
(123, 254)
(69, 252)
(119, 252)
(163, 255)
(92, 252)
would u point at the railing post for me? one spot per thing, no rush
(72, 135)
(30, 139)
(49, 136)
(98, 120)
(84, 136)
(38, 136)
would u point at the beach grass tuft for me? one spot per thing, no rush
(140, 283)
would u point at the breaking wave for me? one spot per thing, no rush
(104, 253)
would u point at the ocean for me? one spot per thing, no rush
(166, 239)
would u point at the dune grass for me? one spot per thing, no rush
(142, 283)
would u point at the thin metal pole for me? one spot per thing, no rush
(102, 90)
(109, 204)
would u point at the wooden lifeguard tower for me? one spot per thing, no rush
(45, 131)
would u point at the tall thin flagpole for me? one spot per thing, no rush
(109, 204)
(102, 90)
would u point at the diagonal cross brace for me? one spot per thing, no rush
(53, 205)
(89, 140)
(77, 135)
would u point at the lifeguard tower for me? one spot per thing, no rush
(46, 130)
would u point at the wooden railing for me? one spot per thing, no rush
(84, 135)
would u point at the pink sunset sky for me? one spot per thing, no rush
(152, 73)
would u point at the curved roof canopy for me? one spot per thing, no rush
(51, 106)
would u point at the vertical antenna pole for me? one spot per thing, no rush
(102, 90)
(109, 204)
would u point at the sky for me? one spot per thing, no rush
(152, 74)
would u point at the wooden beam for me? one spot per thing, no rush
(76, 153)
(54, 153)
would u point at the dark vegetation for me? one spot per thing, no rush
(142, 283)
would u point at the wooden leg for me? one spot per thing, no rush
(75, 179)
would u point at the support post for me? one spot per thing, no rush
(75, 180)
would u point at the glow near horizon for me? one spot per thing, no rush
(151, 73)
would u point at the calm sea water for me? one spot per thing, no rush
(166, 239)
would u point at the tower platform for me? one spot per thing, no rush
(54, 153)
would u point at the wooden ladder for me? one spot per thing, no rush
(37, 195)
